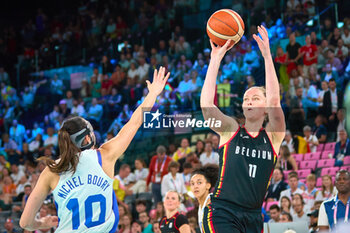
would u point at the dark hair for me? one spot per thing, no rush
(124, 166)
(138, 222)
(300, 196)
(142, 162)
(274, 206)
(187, 165)
(140, 202)
(285, 151)
(69, 152)
(281, 170)
(331, 80)
(290, 218)
(287, 198)
(293, 174)
(210, 173)
(342, 171)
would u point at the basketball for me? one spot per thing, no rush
(223, 25)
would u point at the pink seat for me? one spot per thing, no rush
(285, 174)
(298, 157)
(320, 147)
(269, 204)
(329, 171)
(314, 156)
(319, 182)
(329, 146)
(302, 181)
(326, 163)
(325, 154)
(308, 164)
(346, 160)
(303, 173)
(346, 168)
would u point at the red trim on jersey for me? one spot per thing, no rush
(221, 178)
(252, 135)
(271, 144)
(231, 137)
(212, 228)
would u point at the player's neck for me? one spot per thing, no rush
(201, 199)
(171, 213)
(253, 127)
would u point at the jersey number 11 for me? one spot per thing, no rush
(252, 170)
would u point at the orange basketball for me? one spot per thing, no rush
(223, 25)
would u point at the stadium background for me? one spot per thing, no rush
(64, 57)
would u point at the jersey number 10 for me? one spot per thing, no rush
(73, 205)
(252, 170)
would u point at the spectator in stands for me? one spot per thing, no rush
(334, 61)
(310, 138)
(298, 207)
(125, 223)
(85, 90)
(140, 176)
(320, 131)
(187, 174)
(342, 148)
(334, 211)
(250, 61)
(95, 111)
(313, 221)
(119, 184)
(9, 226)
(173, 180)
(298, 196)
(215, 140)
(64, 110)
(140, 206)
(27, 192)
(332, 100)
(209, 156)
(275, 213)
(51, 139)
(309, 53)
(297, 114)
(16, 173)
(199, 147)
(18, 133)
(78, 109)
(136, 226)
(328, 73)
(310, 192)
(286, 217)
(341, 51)
(182, 151)
(292, 53)
(155, 227)
(324, 88)
(341, 121)
(144, 218)
(10, 147)
(95, 87)
(285, 160)
(158, 168)
(328, 190)
(288, 141)
(276, 186)
(285, 204)
(346, 36)
(293, 184)
(57, 86)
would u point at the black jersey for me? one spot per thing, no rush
(173, 224)
(246, 165)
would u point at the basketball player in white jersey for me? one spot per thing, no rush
(81, 180)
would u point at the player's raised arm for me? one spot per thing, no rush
(276, 123)
(115, 147)
(208, 91)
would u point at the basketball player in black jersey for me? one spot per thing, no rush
(247, 152)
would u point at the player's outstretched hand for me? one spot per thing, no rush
(48, 222)
(219, 51)
(159, 81)
(264, 44)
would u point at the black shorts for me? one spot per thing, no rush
(222, 219)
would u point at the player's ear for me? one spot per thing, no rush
(208, 186)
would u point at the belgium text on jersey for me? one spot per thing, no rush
(77, 181)
(260, 154)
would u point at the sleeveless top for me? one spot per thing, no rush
(201, 211)
(85, 201)
(246, 166)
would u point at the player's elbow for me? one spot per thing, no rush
(23, 223)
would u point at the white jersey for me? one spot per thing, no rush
(86, 201)
(201, 212)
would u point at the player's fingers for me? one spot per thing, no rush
(227, 44)
(155, 74)
(166, 77)
(211, 44)
(257, 39)
(148, 83)
(261, 32)
(265, 30)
